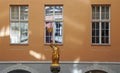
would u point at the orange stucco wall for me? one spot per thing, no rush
(76, 34)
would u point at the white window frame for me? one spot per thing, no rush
(53, 21)
(100, 20)
(19, 21)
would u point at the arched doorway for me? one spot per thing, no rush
(19, 71)
(19, 68)
(95, 71)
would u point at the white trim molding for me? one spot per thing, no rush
(62, 62)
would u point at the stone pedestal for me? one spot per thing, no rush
(55, 69)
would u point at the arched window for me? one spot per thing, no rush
(19, 71)
(95, 71)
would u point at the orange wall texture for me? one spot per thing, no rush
(76, 32)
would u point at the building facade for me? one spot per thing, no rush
(84, 30)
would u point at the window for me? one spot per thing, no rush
(53, 24)
(18, 24)
(101, 24)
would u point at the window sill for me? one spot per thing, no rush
(101, 44)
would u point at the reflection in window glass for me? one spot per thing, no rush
(19, 25)
(15, 12)
(53, 24)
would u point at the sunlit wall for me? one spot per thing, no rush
(76, 32)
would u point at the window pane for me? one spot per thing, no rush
(103, 25)
(93, 25)
(49, 31)
(15, 33)
(97, 32)
(107, 39)
(107, 32)
(93, 32)
(97, 39)
(93, 39)
(93, 12)
(49, 13)
(97, 13)
(15, 12)
(58, 32)
(97, 25)
(103, 40)
(24, 33)
(103, 12)
(48, 39)
(24, 12)
(103, 32)
(107, 12)
(107, 25)
(58, 13)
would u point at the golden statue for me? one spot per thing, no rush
(55, 55)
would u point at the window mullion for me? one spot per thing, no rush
(100, 29)
(53, 32)
(53, 36)
(19, 24)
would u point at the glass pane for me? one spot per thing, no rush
(49, 13)
(58, 32)
(15, 12)
(58, 28)
(97, 39)
(93, 32)
(93, 39)
(107, 39)
(15, 33)
(58, 39)
(58, 13)
(107, 25)
(93, 25)
(93, 12)
(103, 32)
(24, 33)
(49, 31)
(107, 12)
(24, 12)
(107, 32)
(97, 12)
(97, 25)
(103, 39)
(103, 12)
(48, 39)
(97, 32)
(103, 25)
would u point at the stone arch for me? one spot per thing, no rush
(98, 67)
(19, 67)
